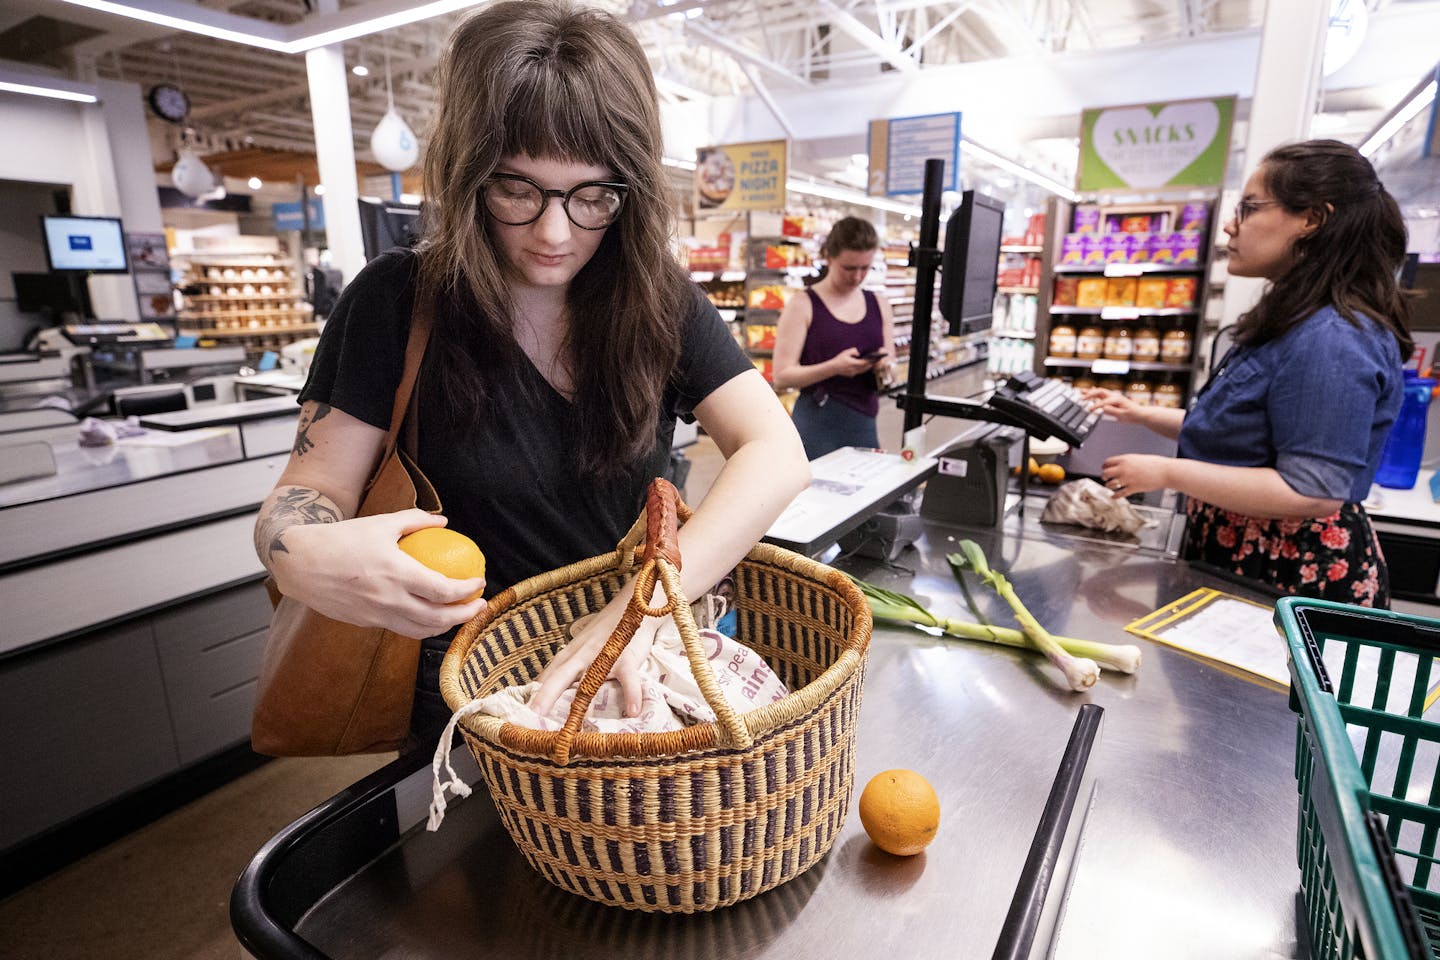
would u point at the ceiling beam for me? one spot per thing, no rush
(741, 54)
(867, 38)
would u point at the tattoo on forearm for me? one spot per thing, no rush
(295, 505)
(303, 443)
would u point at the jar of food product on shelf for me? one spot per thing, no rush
(1090, 343)
(1168, 395)
(1145, 344)
(1118, 344)
(1112, 383)
(1062, 341)
(1139, 390)
(1175, 346)
(1084, 382)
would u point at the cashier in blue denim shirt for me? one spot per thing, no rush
(1281, 445)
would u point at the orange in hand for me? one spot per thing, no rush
(445, 551)
(900, 812)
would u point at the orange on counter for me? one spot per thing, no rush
(900, 812)
(445, 551)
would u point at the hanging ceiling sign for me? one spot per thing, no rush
(741, 176)
(1185, 143)
(289, 217)
(900, 146)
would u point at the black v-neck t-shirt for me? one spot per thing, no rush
(513, 485)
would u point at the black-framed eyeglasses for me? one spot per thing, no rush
(516, 201)
(1244, 208)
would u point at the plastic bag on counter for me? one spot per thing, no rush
(1088, 504)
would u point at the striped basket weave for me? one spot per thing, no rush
(687, 820)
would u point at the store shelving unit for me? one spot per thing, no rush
(1012, 336)
(776, 269)
(250, 299)
(1133, 326)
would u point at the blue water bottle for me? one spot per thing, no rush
(1400, 460)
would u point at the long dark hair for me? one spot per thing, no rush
(552, 80)
(1350, 261)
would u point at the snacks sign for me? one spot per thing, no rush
(1180, 144)
(741, 176)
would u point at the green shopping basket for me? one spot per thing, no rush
(1367, 762)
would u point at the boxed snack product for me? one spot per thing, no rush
(1180, 293)
(1120, 292)
(1090, 292)
(792, 226)
(1151, 292)
(1115, 247)
(1072, 249)
(1085, 220)
(1186, 245)
(1137, 248)
(1066, 291)
(1136, 223)
(769, 297)
(1092, 249)
(1195, 215)
(1161, 249)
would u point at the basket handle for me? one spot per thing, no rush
(659, 564)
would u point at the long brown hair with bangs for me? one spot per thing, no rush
(552, 80)
(1350, 261)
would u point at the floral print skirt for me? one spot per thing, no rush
(1330, 558)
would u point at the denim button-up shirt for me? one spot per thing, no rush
(1316, 404)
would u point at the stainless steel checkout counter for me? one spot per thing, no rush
(1187, 850)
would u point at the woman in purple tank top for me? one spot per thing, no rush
(832, 342)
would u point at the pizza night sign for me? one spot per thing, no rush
(1185, 143)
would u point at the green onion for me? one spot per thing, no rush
(887, 606)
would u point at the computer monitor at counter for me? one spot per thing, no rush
(85, 244)
(387, 224)
(970, 263)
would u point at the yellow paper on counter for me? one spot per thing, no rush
(1227, 629)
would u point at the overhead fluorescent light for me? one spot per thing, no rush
(1040, 180)
(829, 192)
(320, 31)
(1420, 98)
(54, 93)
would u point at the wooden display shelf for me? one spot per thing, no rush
(252, 331)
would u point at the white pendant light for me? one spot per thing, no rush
(191, 176)
(393, 143)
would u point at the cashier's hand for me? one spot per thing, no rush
(1112, 403)
(1131, 473)
(353, 572)
(576, 656)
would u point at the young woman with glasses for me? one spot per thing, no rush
(566, 340)
(1280, 447)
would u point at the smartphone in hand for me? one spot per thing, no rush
(873, 355)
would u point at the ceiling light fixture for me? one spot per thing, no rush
(1418, 99)
(255, 183)
(349, 24)
(1040, 180)
(52, 92)
(360, 70)
(828, 192)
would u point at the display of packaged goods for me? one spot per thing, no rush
(1115, 247)
(1092, 250)
(1066, 290)
(1120, 291)
(700, 259)
(1083, 382)
(1186, 245)
(771, 296)
(766, 368)
(760, 336)
(1133, 223)
(1112, 383)
(792, 226)
(1161, 248)
(1175, 346)
(1151, 293)
(1139, 390)
(1090, 343)
(1195, 215)
(1090, 292)
(1072, 250)
(1062, 340)
(1168, 395)
(1118, 344)
(1180, 292)
(1085, 220)
(1145, 344)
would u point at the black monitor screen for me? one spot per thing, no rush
(87, 244)
(44, 293)
(386, 224)
(971, 263)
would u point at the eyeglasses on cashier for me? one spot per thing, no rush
(517, 201)
(1244, 208)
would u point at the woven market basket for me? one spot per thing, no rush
(680, 821)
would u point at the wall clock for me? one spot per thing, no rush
(169, 102)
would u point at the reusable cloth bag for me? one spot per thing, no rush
(328, 688)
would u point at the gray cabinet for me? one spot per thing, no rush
(90, 719)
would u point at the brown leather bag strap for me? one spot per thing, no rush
(404, 416)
